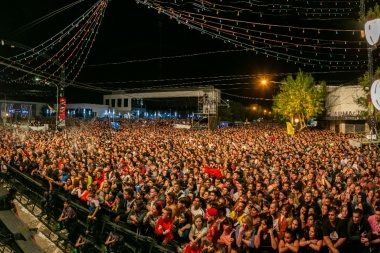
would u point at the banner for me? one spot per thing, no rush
(62, 108)
(289, 128)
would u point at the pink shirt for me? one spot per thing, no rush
(375, 225)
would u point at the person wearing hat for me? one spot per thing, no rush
(212, 226)
(255, 212)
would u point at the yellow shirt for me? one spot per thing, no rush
(239, 218)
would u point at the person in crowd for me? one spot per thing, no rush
(312, 241)
(266, 239)
(212, 225)
(94, 207)
(374, 222)
(296, 228)
(193, 247)
(181, 228)
(239, 171)
(228, 237)
(164, 226)
(245, 235)
(198, 229)
(171, 200)
(288, 243)
(49, 201)
(334, 232)
(136, 215)
(125, 206)
(8, 201)
(238, 213)
(196, 207)
(208, 246)
(114, 243)
(359, 232)
(68, 216)
(152, 217)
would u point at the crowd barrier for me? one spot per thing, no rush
(33, 190)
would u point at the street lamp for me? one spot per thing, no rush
(296, 121)
(265, 82)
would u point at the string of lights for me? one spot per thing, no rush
(71, 50)
(245, 97)
(273, 40)
(165, 58)
(42, 19)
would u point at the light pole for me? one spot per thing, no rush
(296, 121)
(3, 113)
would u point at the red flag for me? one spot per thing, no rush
(62, 108)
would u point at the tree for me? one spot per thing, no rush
(235, 112)
(363, 101)
(372, 13)
(299, 98)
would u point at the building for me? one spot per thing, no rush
(20, 109)
(342, 112)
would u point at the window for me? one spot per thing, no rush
(107, 102)
(126, 102)
(119, 102)
(113, 102)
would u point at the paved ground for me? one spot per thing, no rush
(41, 239)
(44, 235)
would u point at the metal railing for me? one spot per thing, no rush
(33, 189)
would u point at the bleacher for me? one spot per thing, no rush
(31, 192)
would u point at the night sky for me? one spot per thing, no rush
(148, 49)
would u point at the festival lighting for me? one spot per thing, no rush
(233, 22)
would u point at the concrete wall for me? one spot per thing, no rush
(340, 101)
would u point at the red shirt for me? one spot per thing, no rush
(211, 230)
(188, 249)
(165, 226)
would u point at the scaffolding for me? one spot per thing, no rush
(207, 115)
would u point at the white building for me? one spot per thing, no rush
(93, 110)
(342, 112)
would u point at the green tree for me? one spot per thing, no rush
(372, 13)
(300, 98)
(235, 112)
(362, 101)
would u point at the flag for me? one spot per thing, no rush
(289, 128)
(51, 109)
(62, 108)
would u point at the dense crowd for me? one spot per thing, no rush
(244, 189)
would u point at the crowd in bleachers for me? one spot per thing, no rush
(243, 189)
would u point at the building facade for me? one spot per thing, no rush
(342, 112)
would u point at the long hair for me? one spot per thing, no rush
(200, 216)
(250, 229)
(140, 204)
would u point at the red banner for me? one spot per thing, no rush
(62, 108)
